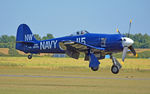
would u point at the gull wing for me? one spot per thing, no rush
(73, 48)
(72, 45)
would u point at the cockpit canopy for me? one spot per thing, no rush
(82, 32)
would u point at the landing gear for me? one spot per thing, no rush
(94, 68)
(116, 65)
(114, 69)
(30, 56)
(93, 62)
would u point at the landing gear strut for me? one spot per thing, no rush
(30, 56)
(116, 65)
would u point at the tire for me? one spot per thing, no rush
(94, 68)
(29, 56)
(114, 69)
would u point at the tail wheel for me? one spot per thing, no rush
(29, 56)
(94, 68)
(114, 69)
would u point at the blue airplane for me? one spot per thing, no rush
(94, 46)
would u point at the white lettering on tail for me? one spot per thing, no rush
(28, 37)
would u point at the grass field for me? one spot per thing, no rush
(44, 75)
(70, 64)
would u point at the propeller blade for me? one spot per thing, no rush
(125, 49)
(132, 50)
(129, 28)
(118, 31)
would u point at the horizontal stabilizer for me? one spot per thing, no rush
(26, 42)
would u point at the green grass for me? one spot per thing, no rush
(70, 64)
(67, 67)
(43, 85)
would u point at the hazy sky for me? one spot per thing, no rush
(63, 17)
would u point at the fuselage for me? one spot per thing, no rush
(111, 42)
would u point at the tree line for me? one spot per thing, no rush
(140, 40)
(9, 41)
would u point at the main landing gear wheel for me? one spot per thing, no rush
(29, 56)
(94, 68)
(114, 69)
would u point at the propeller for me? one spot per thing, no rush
(118, 31)
(132, 50)
(125, 49)
(127, 43)
(129, 28)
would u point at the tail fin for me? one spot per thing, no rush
(24, 34)
(24, 37)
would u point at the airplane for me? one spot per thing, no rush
(94, 46)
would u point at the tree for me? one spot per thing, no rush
(12, 39)
(13, 52)
(37, 36)
(49, 36)
(4, 39)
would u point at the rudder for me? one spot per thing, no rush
(24, 37)
(24, 33)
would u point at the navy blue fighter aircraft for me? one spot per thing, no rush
(94, 46)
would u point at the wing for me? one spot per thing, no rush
(73, 48)
(77, 46)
